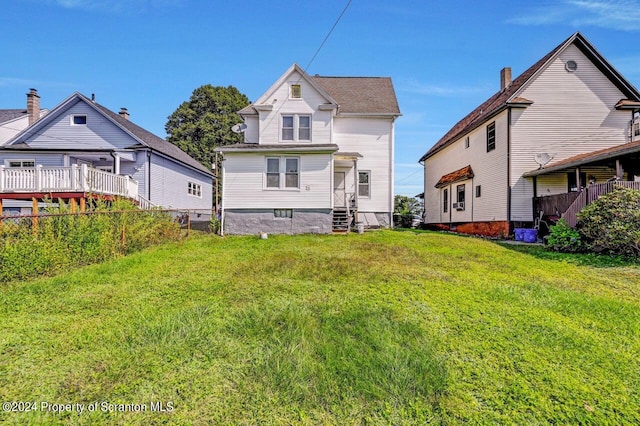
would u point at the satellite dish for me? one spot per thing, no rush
(543, 159)
(239, 128)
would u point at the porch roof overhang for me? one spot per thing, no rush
(457, 176)
(588, 158)
(282, 147)
(346, 155)
(628, 104)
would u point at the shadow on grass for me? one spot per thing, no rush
(540, 252)
(582, 259)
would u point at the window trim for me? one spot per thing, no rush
(8, 161)
(73, 121)
(282, 173)
(445, 200)
(367, 185)
(295, 130)
(461, 189)
(283, 213)
(491, 136)
(194, 189)
(292, 91)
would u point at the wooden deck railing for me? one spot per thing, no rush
(589, 195)
(66, 179)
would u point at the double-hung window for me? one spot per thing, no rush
(364, 184)
(445, 200)
(282, 173)
(491, 136)
(296, 128)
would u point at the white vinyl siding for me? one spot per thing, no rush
(490, 171)
(169, 185)
(572, 113)
(370, 138)
(244, 175)
(100, 134)
(270, 122)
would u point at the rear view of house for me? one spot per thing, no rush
(317, 157)
(565, 123)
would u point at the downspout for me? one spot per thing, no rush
(391, 188)
(149, 176)
(222, 211)
(509, 169)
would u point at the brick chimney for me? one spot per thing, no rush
(505, 78)
(124, 113)
(33, 106)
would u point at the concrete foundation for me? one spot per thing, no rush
(302, 221)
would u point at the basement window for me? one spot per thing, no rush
(283, 213)
(79, 120)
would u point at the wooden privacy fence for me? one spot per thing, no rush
(591, 193)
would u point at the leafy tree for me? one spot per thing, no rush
(405, 208)
(204, 121)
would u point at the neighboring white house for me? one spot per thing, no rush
(81, 148)
(564, 122)
(317, 157)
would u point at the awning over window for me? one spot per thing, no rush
(457, 176)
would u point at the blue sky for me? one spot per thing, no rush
(444, 57)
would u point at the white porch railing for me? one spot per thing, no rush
(66, 179)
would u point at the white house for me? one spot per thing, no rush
(80, 148)
(563, 123)
(317, 157)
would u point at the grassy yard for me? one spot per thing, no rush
(381, 328)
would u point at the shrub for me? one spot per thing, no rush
(563, 238)
(63, 239)
(611, 224)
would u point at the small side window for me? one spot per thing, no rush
(79, 120)
(296, 91)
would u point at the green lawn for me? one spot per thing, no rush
(381, 328)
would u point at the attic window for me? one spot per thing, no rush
(296, 91)
(79, 120)
(571, 66)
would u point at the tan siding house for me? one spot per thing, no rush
(572, 102)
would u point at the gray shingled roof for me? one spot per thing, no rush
(355, 95)
(154, 142)
(11, 114)
(361, 95)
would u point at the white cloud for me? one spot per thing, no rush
(614, 14)
(115, 6)
(12, 82)
(415, 87)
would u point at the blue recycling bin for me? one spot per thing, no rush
(530, 235)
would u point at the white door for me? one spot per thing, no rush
(339, 196)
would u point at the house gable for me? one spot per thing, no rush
(73, 125)
(512, 95)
